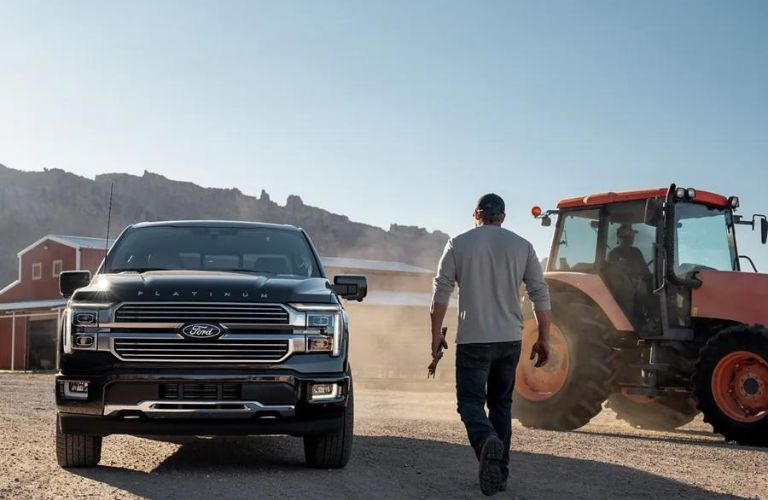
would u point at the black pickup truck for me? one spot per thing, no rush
(206, 328)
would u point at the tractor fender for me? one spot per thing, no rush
(593, 287)
(731, 295)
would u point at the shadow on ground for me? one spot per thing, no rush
(381, 467)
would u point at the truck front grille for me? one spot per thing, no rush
(215, 351)
(169, 312)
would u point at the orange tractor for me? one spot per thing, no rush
(653, 315)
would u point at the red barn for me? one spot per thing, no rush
(30, 306)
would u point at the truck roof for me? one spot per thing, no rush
(703, 197)
(215, 223)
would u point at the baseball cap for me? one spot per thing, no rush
(625, 229)
(490, 204)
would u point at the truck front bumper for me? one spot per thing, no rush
(201, 403)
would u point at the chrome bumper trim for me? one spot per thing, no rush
(200, 409)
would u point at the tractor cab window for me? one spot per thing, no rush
(705, 239)
(628, 266)
(576, 247)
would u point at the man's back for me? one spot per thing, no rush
(489, 263)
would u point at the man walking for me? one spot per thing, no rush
(489, 264)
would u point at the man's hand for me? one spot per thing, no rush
(438, 342)
(541, 350)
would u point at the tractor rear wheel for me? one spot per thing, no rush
(663, 413)
(570, 389)
(731, 384)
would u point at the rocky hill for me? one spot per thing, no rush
(33, 204)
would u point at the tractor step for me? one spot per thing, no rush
(654, 367)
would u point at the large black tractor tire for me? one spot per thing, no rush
(664, 413)
(733, 400)
(589, 378)
(77, 450)
(332, 451)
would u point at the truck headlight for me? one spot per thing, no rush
(80, 329)
(321, 320)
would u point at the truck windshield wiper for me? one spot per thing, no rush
(251, 271)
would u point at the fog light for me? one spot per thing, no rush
(84, 341)
(76, 389)
(322, 392)
(320, 344)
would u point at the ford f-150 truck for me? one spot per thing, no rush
(206, 328)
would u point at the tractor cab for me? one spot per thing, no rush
(648, 247)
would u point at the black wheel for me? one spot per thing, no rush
(77, 450)
(731, 384)
(332, 451)
(570, 389)
(664, 413)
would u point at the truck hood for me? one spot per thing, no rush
(729, 295)
(206, 286)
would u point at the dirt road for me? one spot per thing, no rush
(408, 445)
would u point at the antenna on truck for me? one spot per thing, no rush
(109, 220)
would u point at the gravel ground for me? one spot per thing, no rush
(408, 444)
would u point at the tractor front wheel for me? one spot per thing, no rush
(731, 384)
(570, 389)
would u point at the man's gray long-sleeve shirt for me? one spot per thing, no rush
(489, 263)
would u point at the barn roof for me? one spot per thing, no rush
(76, 242)
(32, 304)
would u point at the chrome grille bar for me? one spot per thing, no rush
(244, 313)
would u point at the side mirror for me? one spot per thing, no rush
(546, 221)
(654, 211)
(764, 230)
(69, 281)
(350, 286)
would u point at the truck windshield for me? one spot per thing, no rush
(705, 239)
(272, 252)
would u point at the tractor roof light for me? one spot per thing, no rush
(536, 211)
(680, 193)
(733, 202)
(690, 193)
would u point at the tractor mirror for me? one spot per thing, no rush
(654, 211)
(764, 230)
(546, 221)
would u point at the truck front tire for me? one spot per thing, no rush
(332, 451)
(77, 450)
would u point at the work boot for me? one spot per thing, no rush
(490, 469)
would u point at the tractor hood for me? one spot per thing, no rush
(206, 286)
(730, 295)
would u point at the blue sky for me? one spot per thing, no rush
(395, 112)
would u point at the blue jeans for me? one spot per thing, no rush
(485, 374)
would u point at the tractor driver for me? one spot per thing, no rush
(631, 277)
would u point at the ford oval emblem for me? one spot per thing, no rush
(201, 331)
